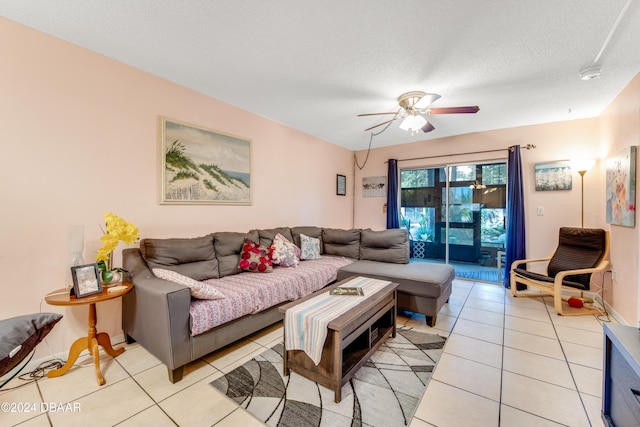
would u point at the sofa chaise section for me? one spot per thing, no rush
(424, 287)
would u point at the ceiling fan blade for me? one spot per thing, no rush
(376, 114)
(427, 128)
(453, 110)
(383, 123)
(426, 100)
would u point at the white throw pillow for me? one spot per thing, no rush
(310, 247)
(198, 289)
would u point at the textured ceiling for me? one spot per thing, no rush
(314, 65)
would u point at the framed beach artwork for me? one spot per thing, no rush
(374, 186)
(203, 166)
(621, 188)
(553, 176)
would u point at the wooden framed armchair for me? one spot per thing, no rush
(580, 253)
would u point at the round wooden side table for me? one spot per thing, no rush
(93, 339)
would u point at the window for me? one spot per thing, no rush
(492, 227)
(417, 178)
(418, 203)
(476, 204)
(494, 174)
(461, 173)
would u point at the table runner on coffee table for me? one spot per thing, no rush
(306, 323)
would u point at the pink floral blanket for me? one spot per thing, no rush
(249, 293)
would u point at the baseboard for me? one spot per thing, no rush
(610, 310)
(596, 296)
(613, 313)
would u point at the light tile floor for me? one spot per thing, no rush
(507, 362)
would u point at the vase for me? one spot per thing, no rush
(75, 246)
(110, 277)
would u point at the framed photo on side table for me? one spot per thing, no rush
(341, 185)
(86, 280)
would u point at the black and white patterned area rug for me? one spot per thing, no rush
(385, 391)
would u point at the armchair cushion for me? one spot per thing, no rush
(542, 278)
(578, 248)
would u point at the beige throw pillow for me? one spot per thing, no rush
(198, 289)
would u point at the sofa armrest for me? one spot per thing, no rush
(156, 312)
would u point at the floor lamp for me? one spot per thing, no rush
(582, 166)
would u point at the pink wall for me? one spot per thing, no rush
(620, 128)
(555, 141)
(80, 137)
(617, 128)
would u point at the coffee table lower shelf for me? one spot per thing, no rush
(351, 340)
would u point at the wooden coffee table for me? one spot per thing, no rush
(351, 338)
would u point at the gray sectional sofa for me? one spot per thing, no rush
(157, 312)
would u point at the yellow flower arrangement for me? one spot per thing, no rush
(117, 229)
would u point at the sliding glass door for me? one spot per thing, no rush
(456, 214)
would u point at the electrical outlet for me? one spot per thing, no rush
(614, 276)
(540, 211)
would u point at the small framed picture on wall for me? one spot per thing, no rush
(374, 186)
(341, 185)
(553, 176)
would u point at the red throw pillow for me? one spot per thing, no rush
(256, 258)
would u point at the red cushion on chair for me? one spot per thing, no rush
(575, 302)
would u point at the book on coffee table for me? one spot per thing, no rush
(346, 291)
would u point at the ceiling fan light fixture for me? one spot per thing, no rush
(413, 106)
(413, 123)
(590, 73)
(409, 100)
(426, 100)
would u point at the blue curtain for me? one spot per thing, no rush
(393, 221)
(516, 241)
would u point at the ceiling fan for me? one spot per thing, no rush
(414, 106)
